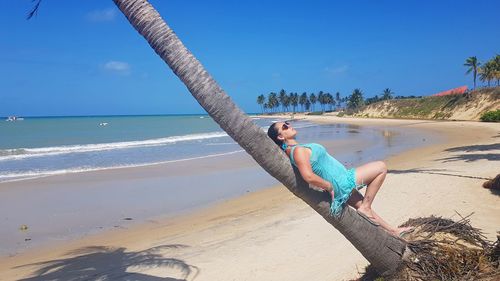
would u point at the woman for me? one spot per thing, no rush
(320, 169)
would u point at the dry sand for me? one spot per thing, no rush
(271, 235)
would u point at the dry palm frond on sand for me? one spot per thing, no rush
(442, 249)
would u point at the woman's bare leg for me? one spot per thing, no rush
(356, 200)
(372, 174)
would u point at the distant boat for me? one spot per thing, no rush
(14, 118)
(103, 124)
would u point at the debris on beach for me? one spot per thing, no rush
(443, 249)
(23, 227)
(493, 183)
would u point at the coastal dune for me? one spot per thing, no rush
(448, 107)
(272, 235)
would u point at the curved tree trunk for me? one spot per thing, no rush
(382, 250)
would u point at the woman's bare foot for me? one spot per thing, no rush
(401, 231)
(367, 212)
(368, 215)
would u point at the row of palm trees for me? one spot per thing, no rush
(487, 71)
(290, 102)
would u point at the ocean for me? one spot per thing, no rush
(44, 146)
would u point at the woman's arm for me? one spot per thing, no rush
(301, 156)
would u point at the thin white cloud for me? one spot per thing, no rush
(336, 70)
(117, 67)
(102, 15)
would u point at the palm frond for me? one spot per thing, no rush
(34, 11)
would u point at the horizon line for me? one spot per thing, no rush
(109, 115)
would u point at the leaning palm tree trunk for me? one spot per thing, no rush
(382, 250)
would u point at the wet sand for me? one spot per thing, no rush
(271, 235)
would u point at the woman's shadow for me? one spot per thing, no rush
(105, 263)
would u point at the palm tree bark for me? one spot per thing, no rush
(475, 74)
(382, 250)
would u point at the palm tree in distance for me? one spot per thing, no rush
(487, 72)
(283, 99)
(472, 63)
(355, 99)
(387, 94)
(321, 100)
(382, 250)
(337, 99)
(313, 100)
(260, 101)
(273, 101)
(496, 68)
(303, 100)
(496, 62)
(331, 101)
(294, 101)
(308, 105)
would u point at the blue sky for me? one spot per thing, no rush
(84, 58)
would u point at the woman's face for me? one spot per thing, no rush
(285, 130)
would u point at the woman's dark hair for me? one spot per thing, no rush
(272, 132)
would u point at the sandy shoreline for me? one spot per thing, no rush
(271, 235)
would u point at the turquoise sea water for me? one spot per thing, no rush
(43, 146)
(36, 147)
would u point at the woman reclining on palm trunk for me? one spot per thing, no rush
(320, 169)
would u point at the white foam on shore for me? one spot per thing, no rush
(11, 177)
(23, 153)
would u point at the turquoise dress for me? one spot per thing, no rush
(330, 169)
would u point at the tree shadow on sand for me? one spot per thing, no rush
(467, 157)
(469, 148)
(472, 157)
(106, 263)
(442, 172)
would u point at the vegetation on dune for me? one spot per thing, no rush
(436, 107)
(491, 116)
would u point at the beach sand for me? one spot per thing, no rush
(272, 235)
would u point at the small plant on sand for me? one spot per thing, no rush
(491, 116)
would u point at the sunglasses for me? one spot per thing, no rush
(285, 126)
